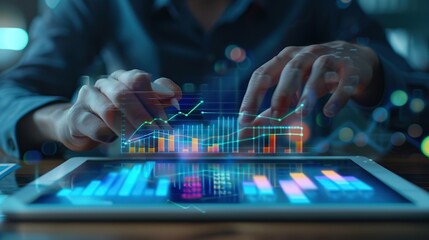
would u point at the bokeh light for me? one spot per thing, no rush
(399, 98)
(49, 148)
(417, 105)
(380, 114)
(305, 130)
(398, 139)
(32, 157)
(235, 53)
(415, 130)
(221, 67)
(425, 146)
(346, 134)
(343, 3)
(15, 39)
(52, 3)
(361, 139)
(322, 120)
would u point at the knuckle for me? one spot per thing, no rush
(295, 63)
(316, 48)
(324, 61)
(108, 112)
(119, 96)
(84, 92)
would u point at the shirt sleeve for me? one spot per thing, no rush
(63, 43)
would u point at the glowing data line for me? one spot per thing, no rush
(185, 207)
(153, 134)
(258, 115)
(164, 120)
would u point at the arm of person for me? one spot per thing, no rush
(355, 63)
(36, 94)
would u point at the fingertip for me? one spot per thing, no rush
(330, 110)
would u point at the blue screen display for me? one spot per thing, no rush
(291, 182)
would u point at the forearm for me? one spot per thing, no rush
(41, 126)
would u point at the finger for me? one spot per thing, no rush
(101, 106)
(93, 127)
(349, 81)
(85, 124)
(170, 86)
(262, 79)
(315, 85)
(125, 100)
(289, 84)
(139, 83)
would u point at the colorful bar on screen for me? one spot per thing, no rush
(130, 181)
(327, 183)
(105, 185)
(357, 183)
(249, 188)
(64, 192)
(263, 185)
(144, 176)
(303, 181)
(77, 191)
(338, 179)
(171, 143)
(162, 188)
(90, 189)
(118, 183)
(293, 192)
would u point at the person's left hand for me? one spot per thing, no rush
(302, 75)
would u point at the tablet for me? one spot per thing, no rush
(219, 188)
(6, 168)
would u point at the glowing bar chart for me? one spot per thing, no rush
(249, 188)
(127, 182)
(357, 183)
(162, 188)
(303, 181)
(293, 192)
(339, 180)
(222, 136)
(263, 184)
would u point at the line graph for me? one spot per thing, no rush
(223, 134)
(186, 207)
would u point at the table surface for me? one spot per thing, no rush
(408, 164)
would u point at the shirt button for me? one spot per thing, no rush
(11, 144)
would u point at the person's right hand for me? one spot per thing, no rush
(96, 116)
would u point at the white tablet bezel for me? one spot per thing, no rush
(19, 206)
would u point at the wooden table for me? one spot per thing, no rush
(407, 163)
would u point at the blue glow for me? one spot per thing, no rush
(13, 39)
(117, 185)
(162, 188)
(327, 183)
(249, 188)
(130, 181)
(77, 191)
(52, 3)
(64, 192)
(102, 190)
(142, 181)
(358, 184)
(90, 189)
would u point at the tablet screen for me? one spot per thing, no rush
(291, 182)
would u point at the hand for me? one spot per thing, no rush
(96, 116)
(302, 75)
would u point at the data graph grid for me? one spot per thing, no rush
(223, 136)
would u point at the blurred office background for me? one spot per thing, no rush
(405, 22)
